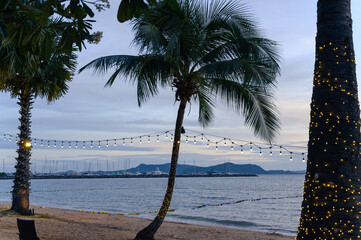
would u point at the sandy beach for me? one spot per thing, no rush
(61, 224)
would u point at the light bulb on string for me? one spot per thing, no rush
(202, 139)
(208, 144)
(91, 144)
(115, 142)
(131, 141)
(241, 149)
(98, 144)
(69, 144)
(250, 147)
(260, 151)
(225, 142)
(148, 138)
(303, 157)
(270, 150)
(194, 141)
(107, 145)
(186, 139)
(4, 137)
(157, 138)
(280, 150)
(55, 143)
(171, 137)
(232, 147)
(10, 138)
(41, 143)
(83, 144)
(62, 144)
(123, 141)
(291, 159)
(140, 139)
(216, 146)
(166, 136)
(48, 144)
(76, 144)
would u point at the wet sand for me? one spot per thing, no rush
(61, 224)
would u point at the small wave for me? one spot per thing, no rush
(213, 221)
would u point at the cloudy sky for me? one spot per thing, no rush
(91, 112)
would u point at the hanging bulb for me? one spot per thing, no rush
(232, 147)
(148, 138)
(55, 143)
(225, 142)
(115, 142)
(202, 139)
(270, 151)
(157, 138)
(76, 144)
(48, 144)
(41, 143)
(131, 141)
(303, 157)
(62, 144)
(10, 138)
(91, 144)
(83, 144)
(69, 144)
(166, 136)
(123, 141)
(208, 144)
(216, 146)
(140, 140)
(260, 152)
(280, 150)
(194, 141)
(291, 159)
(171, 137)
(241, 149)
(4, 137)
(186, 139)
(98, 144)
(107, 145)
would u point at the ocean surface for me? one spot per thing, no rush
(268, 203)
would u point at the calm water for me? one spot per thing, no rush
(272, 202)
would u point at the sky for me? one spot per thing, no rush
(91, 112)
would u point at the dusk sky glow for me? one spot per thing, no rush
(91, 112)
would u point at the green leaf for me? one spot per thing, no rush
(88, 10)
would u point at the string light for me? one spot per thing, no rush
(168, 135)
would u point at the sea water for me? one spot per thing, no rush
(268, 203)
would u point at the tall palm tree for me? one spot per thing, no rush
(201, 51)
(331, 202)
(26, 77)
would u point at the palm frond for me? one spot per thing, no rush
(255, 102)
(206, 105)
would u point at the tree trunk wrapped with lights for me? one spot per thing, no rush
(21, 188)
(331, 205)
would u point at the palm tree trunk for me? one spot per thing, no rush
(149, 231)
(331, 201)
(21, 188)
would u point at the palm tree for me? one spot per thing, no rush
(201, 51)
(27, 77)
(331, 201)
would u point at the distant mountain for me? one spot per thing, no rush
(221, 168)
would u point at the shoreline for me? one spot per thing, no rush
(61, 224)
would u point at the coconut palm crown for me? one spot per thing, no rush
(202, 51)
